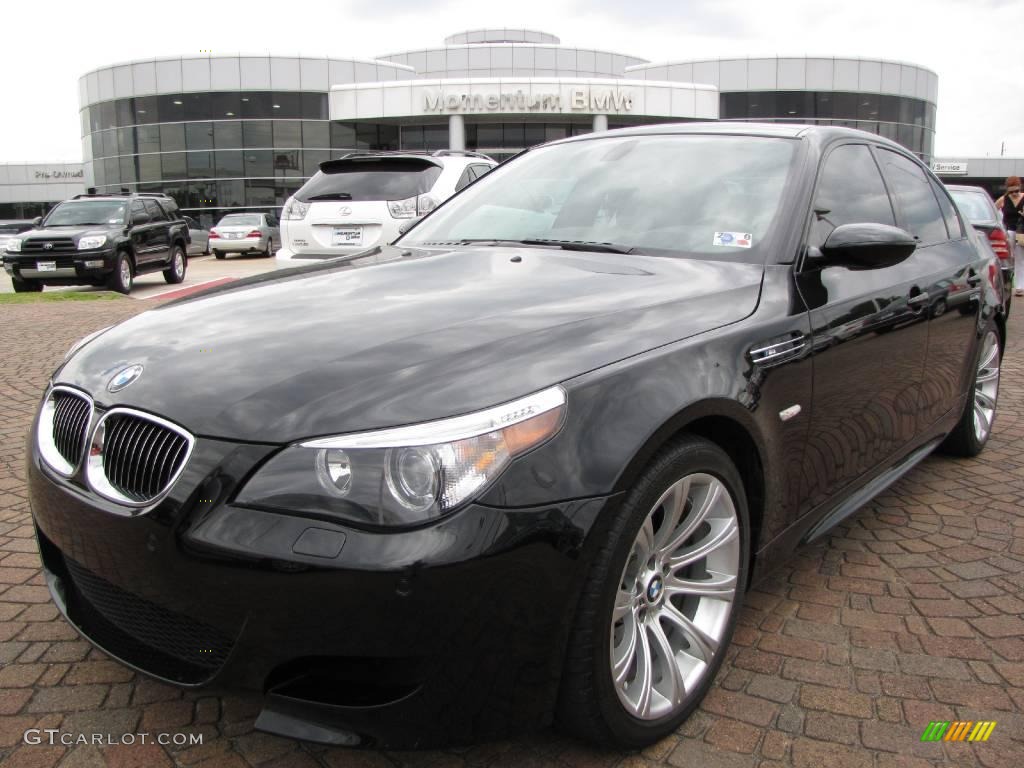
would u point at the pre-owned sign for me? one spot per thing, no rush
(60, 174)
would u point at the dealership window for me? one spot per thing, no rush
(112, 170)
(889, 108)
(311, 159)
(128, 173)
(97, 144)
(146, 110)
(108, 115)
(99, 174)
(172, 137)
(256, 104)
(287, 162)
(148, 138)
(171, 107)
(761, 104)
(227, 134)
(229, 164)
(259, 162)
(316, 133)
(173, 165)
(343, 135)
(287, 134)
(109, 143)
(149, 168)
(257, 133)
(225, 105)
(199, 135)
(199, 164)
(793, 103)
(314, 106)
(124, 110)
(125, 141)
(425, 137)
(231, 193)
(286, 104)
(197, 106)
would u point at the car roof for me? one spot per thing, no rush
(821, 133)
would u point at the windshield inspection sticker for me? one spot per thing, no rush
(733, 239)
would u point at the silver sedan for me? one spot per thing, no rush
(257, 233)
(200, 245)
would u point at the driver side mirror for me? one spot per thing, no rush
(140, 218)
(37, 221)
(867, 246)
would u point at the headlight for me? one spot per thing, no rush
(294, 210)
(13, 245)
(411, 207)
(83, 341)
(406, 475)
(92, 241)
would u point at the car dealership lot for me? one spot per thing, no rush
(911, 612)
(201, 270)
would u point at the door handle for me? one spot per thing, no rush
(974, 281)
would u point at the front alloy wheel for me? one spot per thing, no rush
(675, 597)
(660, 600)
(972, 432)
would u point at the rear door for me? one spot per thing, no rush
(160, 232)
(869, 333)
(141, 233)
(954, 273)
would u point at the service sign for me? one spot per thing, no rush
(949, 169)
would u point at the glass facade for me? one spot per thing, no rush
(907, 121)
(217, 151)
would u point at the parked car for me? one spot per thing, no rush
(245, 233)
(200, 245)
(979, 209)
(11, 227)
(101, 240)
(525, 462)
(361, 200)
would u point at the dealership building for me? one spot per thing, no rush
(230, 132)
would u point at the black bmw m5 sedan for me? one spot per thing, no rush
(521, 466)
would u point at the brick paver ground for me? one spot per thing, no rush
(912, 611)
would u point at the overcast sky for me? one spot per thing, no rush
(975, 47)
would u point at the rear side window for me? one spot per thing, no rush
(156, 213)
(953, 225)
(919, 210)
(467, 176)
(850, 191)
(363, 179)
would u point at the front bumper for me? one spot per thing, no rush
(77, 267)
(451, 633)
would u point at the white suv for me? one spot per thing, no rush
(363, 198)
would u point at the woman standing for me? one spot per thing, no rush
(1011, 205)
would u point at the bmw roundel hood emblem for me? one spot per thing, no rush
(124, 378)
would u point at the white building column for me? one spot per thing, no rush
(456, 132)
(600, 123)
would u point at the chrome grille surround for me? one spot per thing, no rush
(135, 457)
(63, 427)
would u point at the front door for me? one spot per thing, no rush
(955, 271)
(869, 334)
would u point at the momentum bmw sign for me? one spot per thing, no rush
(579, 99)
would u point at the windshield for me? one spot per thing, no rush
(976, 206)
(370, 179)
(84, 212)
(683, 194)
(240, 220)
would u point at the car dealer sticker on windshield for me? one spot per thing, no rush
(734, 239)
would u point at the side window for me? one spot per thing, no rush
(271, 220)
(156, 213)
(137, 208)
(850, 191)
(466, 177)
(954, 226)
(919, 211)
(480, 170)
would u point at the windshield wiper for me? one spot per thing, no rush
(330, 196)
(579, 245)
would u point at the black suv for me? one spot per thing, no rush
(101, 239)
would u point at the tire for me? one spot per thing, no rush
(614, 599)
(121, 278)
(175, 273)
(26, 286)
(219, 254)
(972, 432)
(268, 253)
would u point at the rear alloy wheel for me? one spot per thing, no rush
(268, 253)
(660, 603)
(175, 273)
(120, 279)
(973, 430)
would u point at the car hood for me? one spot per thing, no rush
(389, 340)
(72, 232)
